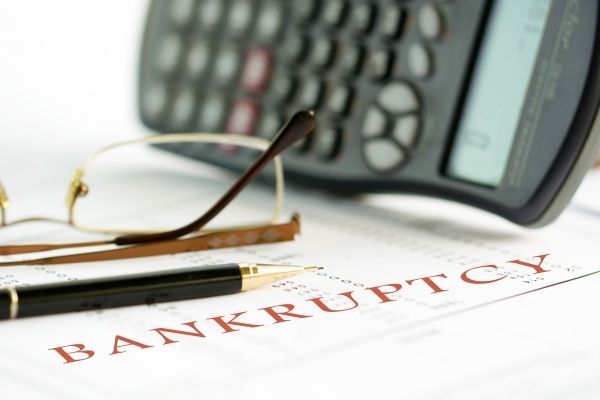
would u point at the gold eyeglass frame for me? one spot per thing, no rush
(78, 188)
(191, 237)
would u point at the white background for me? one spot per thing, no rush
(68, 81)
(68, 73)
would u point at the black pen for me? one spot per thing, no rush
(147, 288)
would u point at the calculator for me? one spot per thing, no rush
(489, 103)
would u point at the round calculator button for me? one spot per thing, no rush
(283, 87)
(240, 17)
(305, 10)
(383, 155)
(392, 21)
(362, 17)
(210, 14)
(295, 48)
(406, 129)
(270, 20)
(334, 12)
(183, 110)
(327, 143)
(380, 64)
(311, 93)
(374, 123)
(169, 54)
(213, 113)
(398, 98)
(419, 60)
(340, 99)
(350, 59)
(154, 101)
(270, 124)
(243, 117)
(430, 21)
(322, 52)
(198, 59)
(182, 12)
(257, 69)
(227, 65)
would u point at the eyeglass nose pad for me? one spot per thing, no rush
(4, 203)
(76, 189)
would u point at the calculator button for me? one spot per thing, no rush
(430, 21)
(154, 101)
(380, 64)
(419, 60)
(375, 123)
(382, 154)
(351, 58)
(169, 54)
(362, 17)
(183, 109)
(182, 12)
(334, 13)
(227, 65)
(306, 10)
(243, 117)
(210, 14)
(327, 143)
(311, 93)
(391, 24)
(213, 113)
(270, 21)
(240, 17)
(405, 130)
(295, 48)
(270, 124)
(340, 100)
(198, 59)
(397, 98)
(283, 87)
(257, 70)
(322, 52)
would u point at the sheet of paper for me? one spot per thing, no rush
(417, 298)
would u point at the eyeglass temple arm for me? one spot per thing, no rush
(297, 127)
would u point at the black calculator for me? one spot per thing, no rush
(490, 103)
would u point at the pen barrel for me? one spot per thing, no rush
(95, 294)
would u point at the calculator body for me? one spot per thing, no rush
(490, 103)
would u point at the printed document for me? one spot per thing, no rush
(416, 298)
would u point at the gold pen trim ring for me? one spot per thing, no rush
(13, 308)
(247, 270)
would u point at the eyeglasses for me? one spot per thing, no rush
(133, 202)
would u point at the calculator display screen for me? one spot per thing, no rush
(497, 91)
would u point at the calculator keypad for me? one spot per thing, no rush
(243, 66)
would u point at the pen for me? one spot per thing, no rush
(146, 288)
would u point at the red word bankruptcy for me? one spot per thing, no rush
(276, 314)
